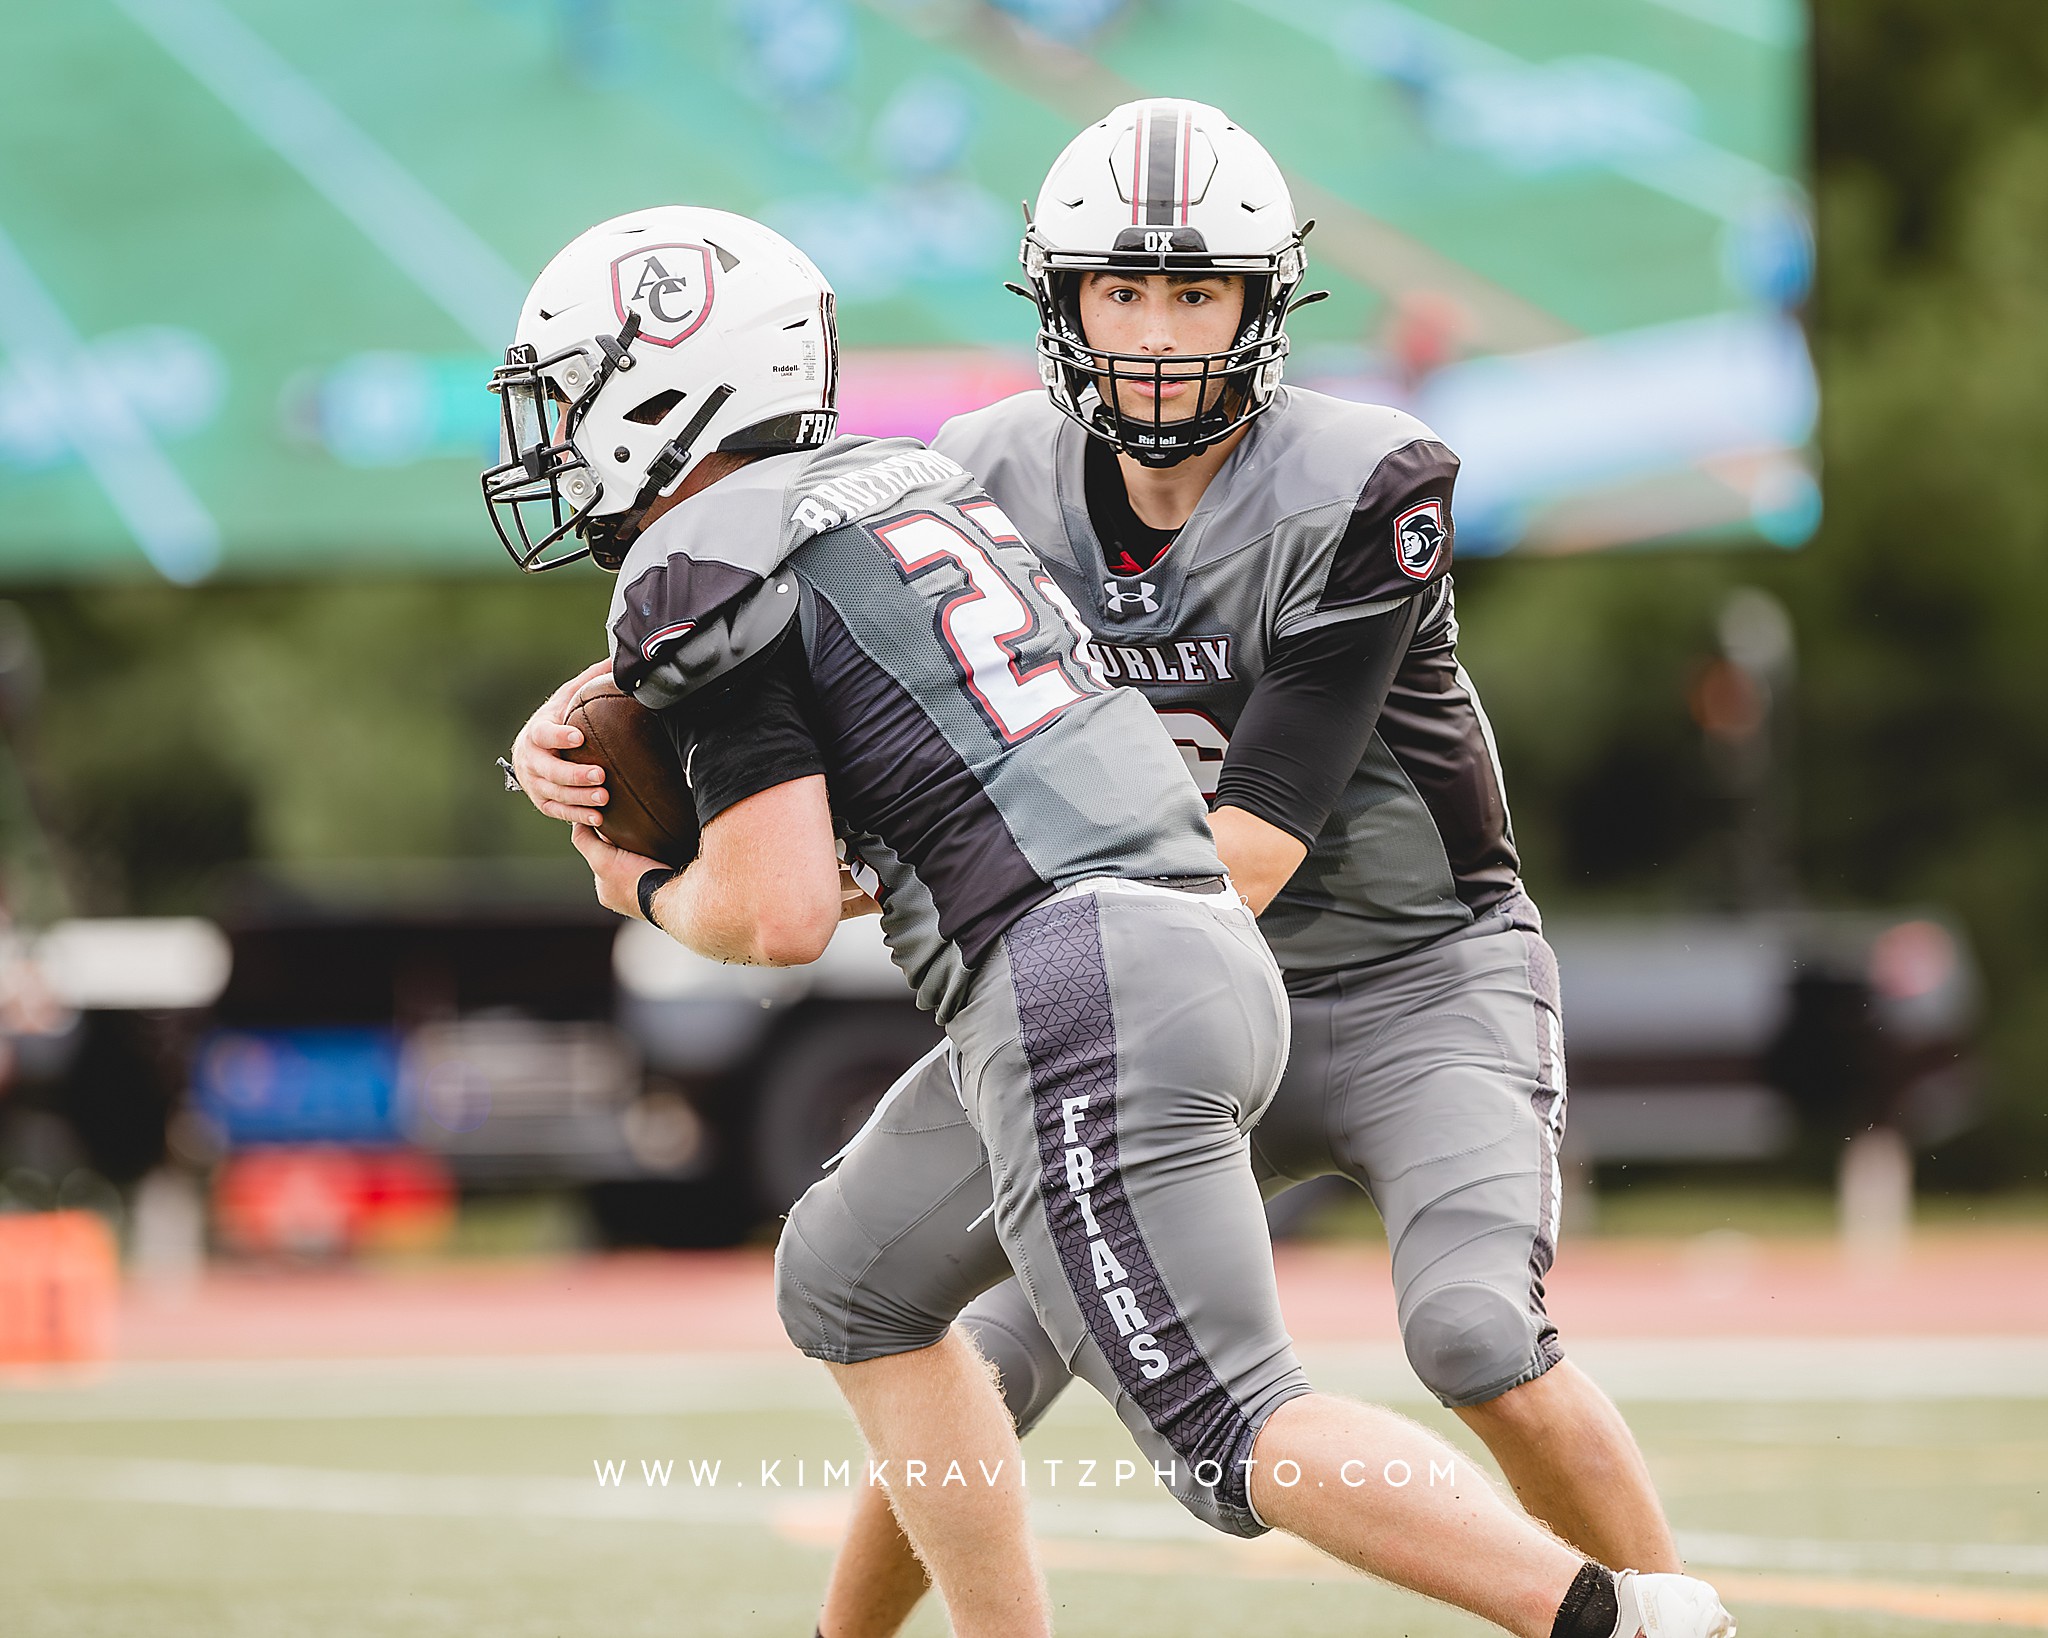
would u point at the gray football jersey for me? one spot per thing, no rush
(1326, 511)
(976, 761)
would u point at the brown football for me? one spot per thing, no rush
(650, 811)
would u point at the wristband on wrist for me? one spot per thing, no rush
(651, 883)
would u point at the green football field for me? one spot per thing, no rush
(423, 1499)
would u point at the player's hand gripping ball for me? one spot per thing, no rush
(651, 811)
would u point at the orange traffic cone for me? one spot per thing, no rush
(59, 1277)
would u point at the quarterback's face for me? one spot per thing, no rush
(1163, 316)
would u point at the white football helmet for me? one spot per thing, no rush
(649, 341)
(1163, 186)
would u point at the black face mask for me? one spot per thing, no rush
(542, 492)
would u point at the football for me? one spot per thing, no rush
(651, 811)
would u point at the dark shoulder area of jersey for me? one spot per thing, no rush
(1397, 476)
(700, 592)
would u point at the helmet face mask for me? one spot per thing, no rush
(1163, 187)
(542, 491)
(1108, 389)
(648, 342)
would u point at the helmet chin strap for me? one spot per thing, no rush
(616, 348)
(666, 470)
(1157, 455)
(610, 538)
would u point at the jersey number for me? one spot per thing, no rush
(982, 623)
(1203, 745)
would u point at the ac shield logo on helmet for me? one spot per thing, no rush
(669, 286)
(1419, 537)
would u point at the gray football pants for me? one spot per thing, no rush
(1113, 1052)
(1434, 1081)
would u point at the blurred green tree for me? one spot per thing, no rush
(1922, 606)
(334, 721)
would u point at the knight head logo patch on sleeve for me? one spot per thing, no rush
(669, 286)
(1419, 537)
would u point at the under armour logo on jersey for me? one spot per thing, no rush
(1419, 537)
(1117, 600)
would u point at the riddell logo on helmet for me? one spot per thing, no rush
(669, 286)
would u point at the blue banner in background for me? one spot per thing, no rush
(299, 1085)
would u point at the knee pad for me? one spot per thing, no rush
(809, 1296)
(1469, 1343)
(844, 1314)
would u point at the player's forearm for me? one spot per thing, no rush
(1259, 856)
(692, 912)
(726, 922)
(764, 888)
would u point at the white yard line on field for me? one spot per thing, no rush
(1751, 1370)
(1721, 1370)
(324, 1390)
(682, 1492)
(265, 1488)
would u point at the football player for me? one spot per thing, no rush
(854, 646)
(1271, 569)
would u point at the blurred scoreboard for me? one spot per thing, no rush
(257, 257)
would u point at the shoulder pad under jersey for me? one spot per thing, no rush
(1011, 448)
(705, 588)
(1360, 493)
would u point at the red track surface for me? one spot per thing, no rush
(1978, 1283)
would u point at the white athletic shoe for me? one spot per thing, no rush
(1669, 1606)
